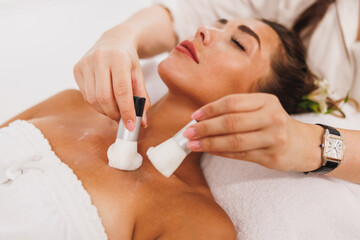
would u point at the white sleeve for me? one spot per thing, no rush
(189, 15)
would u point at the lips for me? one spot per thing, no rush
(188, 48)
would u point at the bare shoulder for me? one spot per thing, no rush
(203, 219)
(62, 101)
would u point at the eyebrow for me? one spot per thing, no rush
(248, 30)
(244, 29)
(222, 21)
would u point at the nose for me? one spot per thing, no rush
(204, 34)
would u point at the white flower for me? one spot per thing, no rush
(320, 94)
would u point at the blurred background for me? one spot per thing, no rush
(41, 40)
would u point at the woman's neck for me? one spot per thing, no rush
(165, 119)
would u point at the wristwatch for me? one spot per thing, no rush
(332, 150)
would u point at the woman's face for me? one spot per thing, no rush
(231, 56)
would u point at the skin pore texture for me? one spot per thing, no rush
(143, 204)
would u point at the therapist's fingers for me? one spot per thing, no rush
(139, 89)
(122, 85)
(231, 104)
(228, 123)
(104, 92)
(232, 143)
(90, 89)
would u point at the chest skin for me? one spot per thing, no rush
(138, 204)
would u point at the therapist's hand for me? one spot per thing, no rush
(255, 127)
(109, 75)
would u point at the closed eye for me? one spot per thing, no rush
(238, 44)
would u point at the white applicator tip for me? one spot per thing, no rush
(167, 156)
(123, 155)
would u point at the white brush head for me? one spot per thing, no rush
(166, 157)
(123, 155)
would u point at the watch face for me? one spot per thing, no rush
(334, 148)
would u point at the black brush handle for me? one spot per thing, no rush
(139, 103)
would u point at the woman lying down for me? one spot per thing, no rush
(63, 140)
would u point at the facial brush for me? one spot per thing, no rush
(123, 153)
(167, 156)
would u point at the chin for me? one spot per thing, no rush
(182, 79)
(173, 74)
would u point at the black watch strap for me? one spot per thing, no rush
(329, 166)
(331, 129)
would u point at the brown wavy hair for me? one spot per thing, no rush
(309, 19)
(290, 78)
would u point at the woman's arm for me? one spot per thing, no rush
(109, 74)
(255, 127)
(349, 169)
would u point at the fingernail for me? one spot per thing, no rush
(130, 125)
(197, 115)
(194, 145)
(190, 132)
